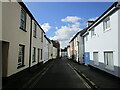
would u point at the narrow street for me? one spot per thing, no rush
(64, 73)
(60, 75)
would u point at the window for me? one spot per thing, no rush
(92, 32)
(95, 58)
(86, 37)
(108, 59)
(41, 36)
(35, 30)
(33, 56)
(106, 24)
(21, 56)
(23, 20)
(38, 55)
(41, 54)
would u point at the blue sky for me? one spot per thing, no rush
(62, 20)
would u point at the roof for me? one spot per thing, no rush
(47, 39)
(115, 4)
(29, 13)
(80, 32)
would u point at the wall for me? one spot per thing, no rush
(14, 35)
(50, 51)
(68, 52)
(54, 52)
(0, 45)
(81, 52)
(45, 50)
(36, 42)
(104, 41)
(119, 42)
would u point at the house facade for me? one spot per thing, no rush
(101, 42)
(23, 43)
(77, 47)
(16, 27)
(68, 52)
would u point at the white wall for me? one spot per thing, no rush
(104, 40)
(68, 52)
(119, 38)
(50, 51)
(45, 50)
(54, 52)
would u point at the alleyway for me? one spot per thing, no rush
(61, 73)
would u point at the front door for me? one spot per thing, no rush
(87, 57)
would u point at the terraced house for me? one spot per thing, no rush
(22, 39)
(101, 41)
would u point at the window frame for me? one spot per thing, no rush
(93, 32)
(96, 62)
(106, 27)
(23, 56)
(35, 30)
(21, 20)
(110, 67)
(41, 51)
(34, 55)
(41, 36)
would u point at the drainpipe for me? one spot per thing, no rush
(30, 44)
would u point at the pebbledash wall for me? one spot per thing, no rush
(105, 40)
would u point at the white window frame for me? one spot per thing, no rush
(21, 55)
(93, 32)
(106, 24)
(109, 64)
(23, 19)
(96, 59)
(86, 38)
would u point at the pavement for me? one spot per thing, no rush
(99, 78)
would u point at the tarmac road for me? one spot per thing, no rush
(60, 75)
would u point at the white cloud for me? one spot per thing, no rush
(93, 19)
(65, 33)
(72, 19)
(46, 27)
(56, 27)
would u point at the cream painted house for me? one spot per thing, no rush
(15, 39)
(22, 39)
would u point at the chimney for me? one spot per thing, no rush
(89, 23)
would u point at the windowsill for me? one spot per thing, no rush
(33, 61)
(106, 30)
(23, 29)
(20, 66)
(109, 68)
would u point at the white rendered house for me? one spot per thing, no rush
(101, 42)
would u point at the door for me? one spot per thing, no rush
(5, 49)
(87, 57)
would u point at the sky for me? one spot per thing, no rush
(62, 20)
